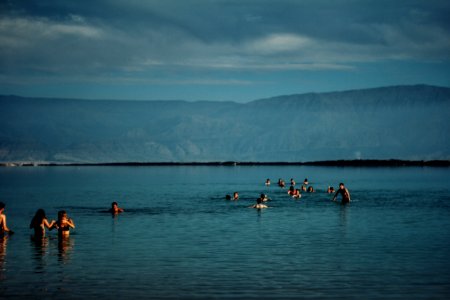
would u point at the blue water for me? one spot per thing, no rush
(179, 237)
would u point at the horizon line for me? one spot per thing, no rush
(330, 163)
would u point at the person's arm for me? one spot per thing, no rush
(348, 194)
(335, 195)
(70, 223)
(49, 225)
(4, 226)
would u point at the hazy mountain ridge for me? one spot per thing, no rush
(404, 122)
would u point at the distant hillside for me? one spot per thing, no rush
(404, 122)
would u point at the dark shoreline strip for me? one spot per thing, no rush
(326, 163)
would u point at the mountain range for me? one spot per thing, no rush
(397, 122)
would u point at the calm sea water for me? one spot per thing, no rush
(180, 238)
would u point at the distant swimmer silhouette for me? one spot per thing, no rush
(343, 191)
(115, 209)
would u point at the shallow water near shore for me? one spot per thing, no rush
(180, 238)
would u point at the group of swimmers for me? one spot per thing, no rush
(296, 193)
(40, 222)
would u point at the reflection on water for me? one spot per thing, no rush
(40, 248)
(3, 244)
(65, 247)
(179, 237)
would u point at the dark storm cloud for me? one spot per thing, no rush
(130, 39)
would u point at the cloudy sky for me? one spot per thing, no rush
(219, 50)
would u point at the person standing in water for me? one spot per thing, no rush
(3, 227)
(344, 193)
(63, 224)
(39, 222)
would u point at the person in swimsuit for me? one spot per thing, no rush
(267, 181)
(39, 222)
(235, 196)
(63, 224)
(343, 191)
(3, 227)
(310, 189)
(115, 209)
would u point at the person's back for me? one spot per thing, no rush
(3, 227)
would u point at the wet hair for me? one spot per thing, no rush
(39, 216)
(114, 203)
(341, 184)
(259, 200)
(228, 197)
(2, 205)
(61, 214)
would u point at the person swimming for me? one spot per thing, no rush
(310, 189)
(39, 222)
(259, 203)
(305, 182)
(293, 192)
(330, 190)
(235, 196)
(292, 181)
(115, 209)
(267, 182)
(63, 224)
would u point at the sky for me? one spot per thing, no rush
(219, 50)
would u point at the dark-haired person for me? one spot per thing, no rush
(64, 224)
(259, 203)
(39, 222)
(343, 191)
(115, 209)
(3, 227)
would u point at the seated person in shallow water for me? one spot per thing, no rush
(39, 222)
(259, 202)
(343, 191)
(63, 224)
(115, 209)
